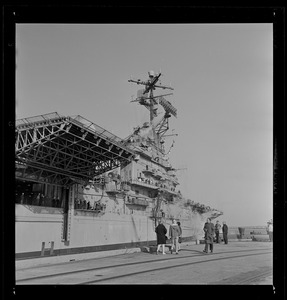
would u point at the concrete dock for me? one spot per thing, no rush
(237, 263)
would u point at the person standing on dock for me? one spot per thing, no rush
(160, 234)
(209, 233)
(225, 232)
(270, 230)
(180, 235)
(174, 233)
(217, 229)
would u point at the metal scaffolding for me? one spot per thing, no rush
(60, 150)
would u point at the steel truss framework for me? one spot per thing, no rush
(60, 150)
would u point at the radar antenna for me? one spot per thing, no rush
(146, 98)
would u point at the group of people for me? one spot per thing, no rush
(38, 199)
(209, 231)
(86, 205)
(175, 234)
(224, 232)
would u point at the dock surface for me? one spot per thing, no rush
(237, 263)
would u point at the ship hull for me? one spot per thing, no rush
(39, 231)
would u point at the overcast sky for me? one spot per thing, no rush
(222, 76)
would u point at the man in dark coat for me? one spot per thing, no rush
(209, 232)
(160, 234)
(180, 235)
(225, 232)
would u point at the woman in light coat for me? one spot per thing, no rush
(174, 233)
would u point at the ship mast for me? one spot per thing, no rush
(146, 97)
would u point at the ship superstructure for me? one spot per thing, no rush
(79, 188)
(154, 174)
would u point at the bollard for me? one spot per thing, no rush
(43, 249)
(241, 231)
(52, 248)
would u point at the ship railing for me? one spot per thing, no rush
(163, 177)
(137, 201)
(143, 183)
(88, 125)
(155, 186)
(149, 171)
(89, 211)
(175, 193)
(98, 130)
(77, 119)
(85, 205)
(31, 121)
(155, 173)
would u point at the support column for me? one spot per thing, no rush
(68, 214)
(71, 210)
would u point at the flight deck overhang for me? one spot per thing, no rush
(62, 150)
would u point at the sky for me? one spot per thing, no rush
(222, 78)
